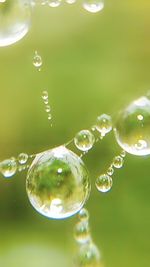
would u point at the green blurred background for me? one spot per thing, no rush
(92, 64)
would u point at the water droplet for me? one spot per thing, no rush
(104, 183)
(54, 3)
(89, 256)
(123, 154)
(22, 158)
(47, 108)
(54, 193)
(110, 171)
(84, 140)
(8, 167)
(70, 1)
(132, 129)
(83, 215)
(118, 162)
(37, 60)
(104, 124)
(93, 6)
(45, 95)
(82, 232)
(15, 19)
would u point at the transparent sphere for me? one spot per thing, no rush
(132, 129)
(103, 124)
(8, 167)
(118, 162)
(89, 256)
(83, 215)
(84, 140)
(82, 232)
(57, 183)
(93, 6)
(104, 183)
(23, 158)
(15, 16)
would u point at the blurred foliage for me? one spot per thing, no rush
(93, 64)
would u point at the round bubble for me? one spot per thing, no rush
(58, 183)
(132, 129)
(15, 18)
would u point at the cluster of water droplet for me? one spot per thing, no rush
(85, 139)
(92, 6)
(57, 182)
(88, 254)
(15, 17)
(45, 98)
(104, 182)
(9, 167)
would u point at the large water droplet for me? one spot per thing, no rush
(57, 183)
(15, 18)
(104, 183)
(8, 167)
(93, 6)
(132, 129)
(84, 140)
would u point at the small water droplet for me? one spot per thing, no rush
(93, 6)
(47, 108)
(104, 124)
(37, 61)
(110, 171)
(8, 167)
(104, 183)
(118, 162)
(54, 3)
(82, 232)
(84, 140)
(123, 153)
(83, 215)
(70, 1)
(22, 158)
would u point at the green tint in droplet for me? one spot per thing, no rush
(57, 183)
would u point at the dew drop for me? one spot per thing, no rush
(104, 124)
(83, 215)
(70, 1)
(118, 162)
(8, 167)
(57, 183)
(89, 256)
(132, 129)
(104, 183)
(23, 158)
(47, 108)
(15, 20)
(93, 6)
(37, 61)
(123, 154)
(84, 140)
(82, 232)
(110, 171)
(54, 3)
(45, 95)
